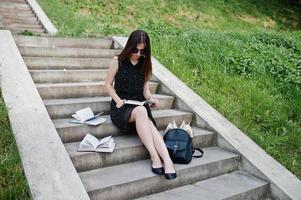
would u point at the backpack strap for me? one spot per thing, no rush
(200, 150)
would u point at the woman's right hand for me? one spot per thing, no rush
(120, 103)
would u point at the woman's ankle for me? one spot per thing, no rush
(169, 167)
(156, 162)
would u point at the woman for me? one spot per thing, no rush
(131, 70)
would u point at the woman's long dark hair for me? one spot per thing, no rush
(136, 37)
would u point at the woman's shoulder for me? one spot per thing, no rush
(116, 61)
(117, 64)
(124, 62)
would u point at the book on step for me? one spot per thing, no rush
(91, 143)
(138, 103)
(86, 116)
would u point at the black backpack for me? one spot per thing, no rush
(179, 146)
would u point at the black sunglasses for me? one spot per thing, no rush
(135, 50)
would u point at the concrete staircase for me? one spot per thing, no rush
(17, 16)
(69, 75)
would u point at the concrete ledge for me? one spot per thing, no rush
(284, 185)
(47, 166)
(42, 17)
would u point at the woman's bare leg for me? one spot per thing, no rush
(161, 149)
(140, 117)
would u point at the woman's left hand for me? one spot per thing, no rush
(154, 103)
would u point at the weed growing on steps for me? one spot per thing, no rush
(29, 33)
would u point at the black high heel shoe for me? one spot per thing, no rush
(158, 170)
(170, 175)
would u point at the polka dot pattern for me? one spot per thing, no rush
(129, 82)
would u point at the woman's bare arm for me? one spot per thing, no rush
(110, 79)
(147, 94)
(146, 91)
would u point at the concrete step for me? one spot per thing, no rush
(63, 108)
(20, 20)
(19, 32)
(67, 63)
(10, 10)
(70, 132)
(129, 148)
(20, 29)
(102, 43)
(76, 90)
(232, 186)
(135, 179)
(19, 14)
(17, 6)
(12, 5)
(68, 76)
(24, 26)
(68, 52)
(14, 1)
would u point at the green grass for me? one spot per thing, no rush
(98, 18)
(263, 103)
(13, 184)
(242, 57)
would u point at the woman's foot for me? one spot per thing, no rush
(157, 167)
(158, 170)
(170, 172)
(170, 175)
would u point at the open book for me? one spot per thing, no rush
(138, 103)
(86, 116)
(91, 143)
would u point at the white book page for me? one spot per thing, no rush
(92, 140)
(108, 144)
(76, 117)
(98, 114)
(75, 121)
(104, 140)
(134, 102)
(108, 150)
(85, 146)
(84, 114)
(96, 121)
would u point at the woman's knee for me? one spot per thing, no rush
(139, 111)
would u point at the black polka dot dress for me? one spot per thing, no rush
(129, 82)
